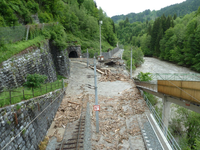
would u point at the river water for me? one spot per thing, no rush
(154, 65)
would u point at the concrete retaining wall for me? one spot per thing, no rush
(13, 120)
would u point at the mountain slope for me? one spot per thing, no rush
(181, 9)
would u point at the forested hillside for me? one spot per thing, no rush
(78, 20)
(181, 9)
(169, 38)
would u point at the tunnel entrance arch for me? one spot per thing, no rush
(73, 54)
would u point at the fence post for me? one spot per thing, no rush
(10, 96)
(62, 84)
(23, 95)
(42, 26)
(33, 91)
(87, 57)
(27, 33)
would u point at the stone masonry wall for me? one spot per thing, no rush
(61, 60)
(13, 120)
(14, 71)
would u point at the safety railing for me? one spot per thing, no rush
(164, 129)
(148, 85)
(17, 95)
(176, 76)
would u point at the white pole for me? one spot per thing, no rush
(100, 38)
(131, 65)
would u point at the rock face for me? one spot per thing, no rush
(40, 60)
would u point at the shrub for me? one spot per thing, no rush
(144, 76)
(44, 17)
(34, 80)
(32, 6)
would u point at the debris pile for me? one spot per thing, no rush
(114, 62)
(109, 76)
(69, 111)
(118, 119)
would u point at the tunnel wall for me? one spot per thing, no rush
(61, 60)
(77, 49)
(15, 118)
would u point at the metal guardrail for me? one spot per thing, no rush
(166, 132)
(148, 85)
(176, 76)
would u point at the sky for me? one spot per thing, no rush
(119, 7)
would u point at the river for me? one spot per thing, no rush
(154, 65)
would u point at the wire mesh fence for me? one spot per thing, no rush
(174, 145)
(12, 34)
(17, 95)
(18, 33)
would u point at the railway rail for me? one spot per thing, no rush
(76, 142)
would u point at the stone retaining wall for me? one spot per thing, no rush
(13, 120)
(14, 71)
(45, 60)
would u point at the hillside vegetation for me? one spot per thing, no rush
(169, 38)
(78, 21)
(181, 9)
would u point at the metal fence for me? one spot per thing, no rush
(164, 129)
(176, 76)
(18, 33)
(15, 96)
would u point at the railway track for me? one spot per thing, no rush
(76, 142)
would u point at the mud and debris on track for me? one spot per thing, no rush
(122, 108)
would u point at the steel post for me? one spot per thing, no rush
(96, 96)
(100, 38)
(87, 58)
(131, 65)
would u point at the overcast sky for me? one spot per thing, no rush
(118, 7)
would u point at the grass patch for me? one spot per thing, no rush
(22, 93)
(153, 100)
(59, 77)
(15, 48)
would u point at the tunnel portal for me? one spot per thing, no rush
(73, 54)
